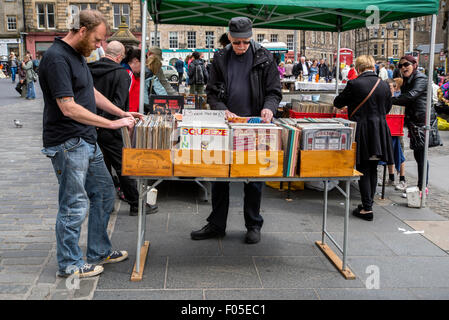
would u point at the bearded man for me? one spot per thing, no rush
(69, 138)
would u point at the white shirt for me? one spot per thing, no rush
(305, 70)
(383, 74)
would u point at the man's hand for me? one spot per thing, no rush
(266, 115)
(229, 114)
(133, 114)
(123, 122)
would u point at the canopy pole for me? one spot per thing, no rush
(428, 106)
(337, 69)
(143, 55)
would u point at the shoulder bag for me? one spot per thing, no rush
(366, 98)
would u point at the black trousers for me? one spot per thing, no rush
(111, 144)
(251, 207)
(419, 157)
(368, 182)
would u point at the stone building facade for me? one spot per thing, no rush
(11, 26)
(46, 19)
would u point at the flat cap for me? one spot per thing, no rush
(240, 27)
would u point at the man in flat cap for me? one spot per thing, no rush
(244, 81)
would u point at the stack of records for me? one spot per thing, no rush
(397, 110)
(325, 136)
(312, 107)
(150, 132)
(290, 143)
(165, 104)
(255, 137)
(196, 136)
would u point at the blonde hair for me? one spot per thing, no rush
(154, 63)
(364, 62)
(399, 82)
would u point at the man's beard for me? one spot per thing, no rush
(83, 46)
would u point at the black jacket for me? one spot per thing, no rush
(264, 77)
(113, 81)
(297, 69)
(373, 136)
(413, 97)
(193, 77)
(323, 70)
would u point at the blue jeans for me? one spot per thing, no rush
(83, 181)
(13, 73)
(31, 93)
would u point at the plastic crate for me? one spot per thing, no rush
(395, 123)
(294, 114)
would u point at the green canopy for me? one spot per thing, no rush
(319, 15)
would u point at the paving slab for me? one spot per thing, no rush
(143, 294)
(260, 294)
(365, 294)
(435, 231)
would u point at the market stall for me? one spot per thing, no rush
(319, 15)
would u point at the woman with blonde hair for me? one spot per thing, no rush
(368, 100)
(281, 70)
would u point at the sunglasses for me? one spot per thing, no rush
(237, 43)
(405, 64)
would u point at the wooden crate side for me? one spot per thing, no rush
(147, 162)
(257, 164)
(327, 163)
(201, 163)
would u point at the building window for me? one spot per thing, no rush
(395, 33)
(156, 42)
(375, 33)
(274, 37)
(382, 50)
(11, 23)
(191, 39)
(374, 49)
(395, 50)
(210, 39)
(260, 37)
(84, 6)
(121, 10)
(45, 13)
(383, 32)
(290, 42)
(173, 40)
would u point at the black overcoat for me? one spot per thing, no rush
(373, 136)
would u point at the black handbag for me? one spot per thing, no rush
(418, 136)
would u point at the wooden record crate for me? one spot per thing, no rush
(147, 162)
(257, 164)
(201, 163)
(327, 163)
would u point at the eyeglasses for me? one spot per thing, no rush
(405, 64)
(237, 43)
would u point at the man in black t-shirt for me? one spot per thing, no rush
(69, 138)
(244, 81)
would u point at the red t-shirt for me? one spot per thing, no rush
(134, 90)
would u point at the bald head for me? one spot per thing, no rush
(115, 51)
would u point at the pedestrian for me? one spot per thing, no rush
(112, 81)
(13, 64)
(69, 138)
(186, 68)
(368, 100)
(323, 70)
(313, 70)
(288, 69)
(30, 77)
(179, 65)
(155, 54)
(413, 97)
(383, 74)
(224, 40)
(390, 71)
(281, 70)
(242, 92)
(198, 75)
(131, 62)
(301, 68)
(352, 74)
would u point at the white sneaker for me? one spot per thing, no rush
(401, 186)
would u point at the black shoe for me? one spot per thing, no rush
(149, 209)
(365, 216)
(207, 232)
(252, 236)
